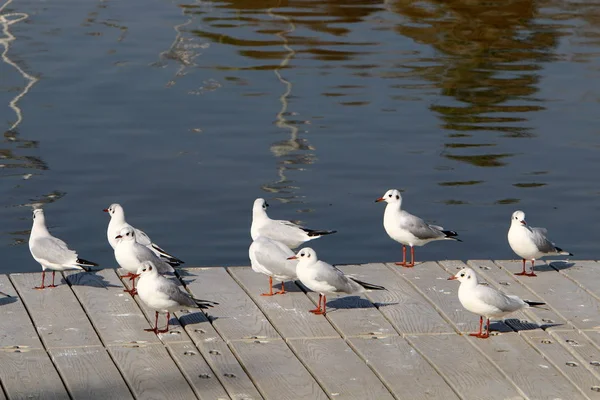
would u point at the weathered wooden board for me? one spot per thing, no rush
(29, 374)
(89, 373)
(535, 376)
(340, 372)
(16, 328)
(579, 362)
(355, 315)
(406, 309)
(236, 316)
(114, 313)
(276, 371)
(431, 280)
(470, 374)
(150, 372)
(564, 296)
(584, 273)
(288, 313)
(56, 312)
(227, 368)
(528, 319)
(199, 375)
(402, 369)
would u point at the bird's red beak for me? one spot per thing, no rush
(292, 258)
(523, 222)
(379, 199)
(118, 237)
(105, 210)
(452, 278)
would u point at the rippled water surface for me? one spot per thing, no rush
(185, 112)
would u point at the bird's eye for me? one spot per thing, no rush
(462, 275)
(150, 268)
(397, 197)
(390, 195)
(308, 256)
(302, 255)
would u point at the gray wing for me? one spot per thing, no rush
(283, 231)
(420, 228)
(53, 250)
(145, 254)
(498, 299)
(336, 278)
(269, 257)
(175, 293)
(538, 235)
(142, 238)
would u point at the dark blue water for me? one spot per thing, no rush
(186, 112)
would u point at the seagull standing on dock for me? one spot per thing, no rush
(324, 278)
(52, 253)
(163, 295)
(486, 301)
(270, 257)
(130, 255)
(408, 229)
(286, 232)
(117, 222)
(530, 243)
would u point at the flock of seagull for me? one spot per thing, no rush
(271, 253)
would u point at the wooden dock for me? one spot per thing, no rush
(86, 339)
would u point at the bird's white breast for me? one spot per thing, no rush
(519, 238)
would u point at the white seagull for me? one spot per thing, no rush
(270, 257)
(130, 255)
(286, 232)
(163, 295)
(530, 243)
(324, 278)
(52, 253)
(486, 301)
(408, 229)
(117, 222)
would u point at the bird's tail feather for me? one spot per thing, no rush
(205, 303)
(562, 252)
(368, 285)
(85, 264)
(174, 261)
(313, 233)
(534, 303)
(451, 235)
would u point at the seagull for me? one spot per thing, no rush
(52, 253)
(163, 295)
(324, 278)
(270, 257)
(130, 255)
(286, 232)
(409, 229)
(530, 243)
(486, 301)
(117, 222)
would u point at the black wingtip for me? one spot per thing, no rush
(534, 303)
(367, 285)
(312, 233)
(452, 235)
(204, 304)
(86, 263)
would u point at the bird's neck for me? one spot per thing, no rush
(260, 214)
(39, 227)
(392, 210)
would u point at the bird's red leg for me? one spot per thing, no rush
(282, 291)
(53, 285)
(167, 328)
(127, 275)
(133, 290)
(531, 273)
(270, 288)
(155, 329)
(487, 331)
(412, 258)
(522, 272)
(403, 263)
(318, 310)
(43, 280)
(478, 334)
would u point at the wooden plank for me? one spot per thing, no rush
(199, 375)
(354, 315)
(498, 277)
(407, 310)
(535, 376)
(29, 374)
(403, 370)
(288, 313)
(150, 372)
(236, 316)
(469, 374)
(114, 313)
(276, 371)
(431, 280)
(56, 312)
(562, 295)
(16, 328)
(340, 372)
(89, 373)
(580, 363)
(226, 367)
(584, 273)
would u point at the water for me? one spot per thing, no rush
(186, 112)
